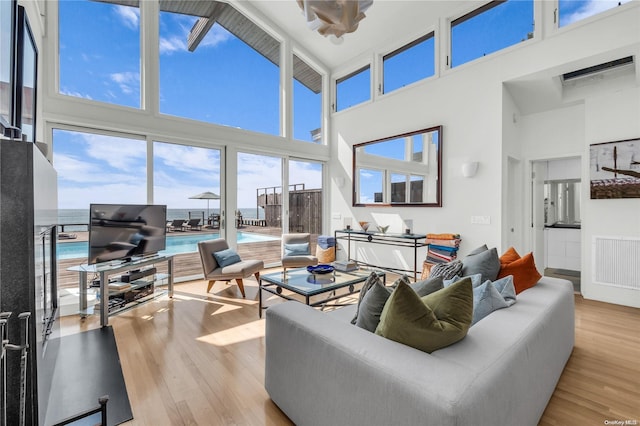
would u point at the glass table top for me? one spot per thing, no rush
(302, 282)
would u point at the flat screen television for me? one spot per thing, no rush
(123, 231)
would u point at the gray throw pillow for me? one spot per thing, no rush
(446, 270)
(372, 305)
(486, 263)
(476, 280)
(428, 286)
(370, 281)
(478, 250)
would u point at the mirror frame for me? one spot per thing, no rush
(438, 201)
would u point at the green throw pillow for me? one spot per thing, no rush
(431, 322)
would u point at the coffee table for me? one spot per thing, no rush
(316, 289)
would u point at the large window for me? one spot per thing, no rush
(495, 26)
(95, 168)
(307, 102)
(409, 64)
(227, 73)
(187, 180)
(575, 10)
(353, 89)
(100, 51)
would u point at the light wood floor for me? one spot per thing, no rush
(199, 359)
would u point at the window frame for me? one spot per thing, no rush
(323, 95)
(453, 22)
(368, 66)
(431, 34)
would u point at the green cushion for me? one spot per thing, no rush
(431, 322)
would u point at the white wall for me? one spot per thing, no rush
(477, 115)
(611, 117)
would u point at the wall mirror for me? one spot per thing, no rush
(401, 170)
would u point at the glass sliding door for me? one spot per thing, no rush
(305, 197)
(92, 168)
(259, 213)
(187, 180)
(306, 201)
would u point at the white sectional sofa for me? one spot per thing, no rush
(322, 370)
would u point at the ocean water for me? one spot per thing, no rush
(77, 216)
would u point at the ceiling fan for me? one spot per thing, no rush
(334, 17)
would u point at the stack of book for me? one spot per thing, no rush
(345, 265)
(442, 248)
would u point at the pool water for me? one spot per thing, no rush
(175, 244)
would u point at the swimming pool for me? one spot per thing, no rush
(176, 244)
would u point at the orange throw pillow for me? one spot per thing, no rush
(525, 274)
(511, 255)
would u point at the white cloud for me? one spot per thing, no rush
(128, 82)
(215, 36)
(64, 91)
(74, 169)
(172, 44)
(178, 42)
(188, 159)
(590, 8)
(130, 16)
(120, 153)
(133, 192)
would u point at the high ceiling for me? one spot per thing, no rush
(388, 22)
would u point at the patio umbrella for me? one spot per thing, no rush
(207, 195)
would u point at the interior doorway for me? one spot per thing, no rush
(555, 217)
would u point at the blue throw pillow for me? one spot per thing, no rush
(507, 289)
(226, 257)
(486, 299)
(301, 249)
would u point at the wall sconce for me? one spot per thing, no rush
(469, 169)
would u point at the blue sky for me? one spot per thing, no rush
(224, 82)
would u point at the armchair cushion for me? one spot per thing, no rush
(226, 257)
(301, 249)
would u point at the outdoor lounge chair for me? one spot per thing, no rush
(234, 271)
(193, 225)
(176, 225)
(296, 251)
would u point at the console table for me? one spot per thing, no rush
(399, 240)
(104, 270)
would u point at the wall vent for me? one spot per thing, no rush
(599, 69)
(616, 261)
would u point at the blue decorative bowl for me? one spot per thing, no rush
(320, 269)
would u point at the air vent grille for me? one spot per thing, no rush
(596, 69)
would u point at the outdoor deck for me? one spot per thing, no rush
(188, 264)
